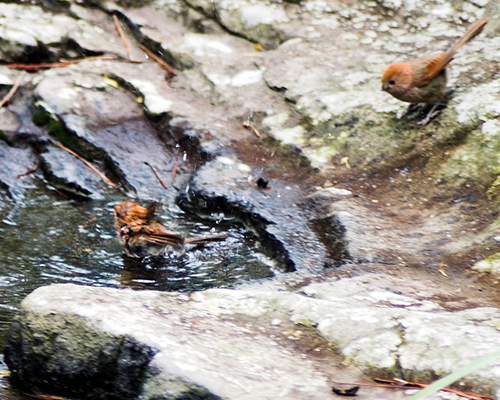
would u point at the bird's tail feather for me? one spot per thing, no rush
(475, 29)
(205, 239)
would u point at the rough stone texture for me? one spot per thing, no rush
(490, 264)
(71, 176)
(16, 162)
(416, 196)
(84, 361)
(189, 348)
(236, 343)
(318, 89)
(225, 185)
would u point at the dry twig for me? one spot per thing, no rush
(13, 89)
(157, 175)
(88, 164)
(122, 36)
(441, 268)
(401, 384)
(63, 63)
(30, 171)
(254, 130)
(104, 57)
(174, 171)
(160, 62)
(41, 396)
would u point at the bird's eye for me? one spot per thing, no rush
(392, 82)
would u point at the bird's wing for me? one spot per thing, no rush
(206, 239)
(426, 68)
(162, 236)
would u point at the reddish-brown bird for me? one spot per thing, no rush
(141, 236)
(424, 80)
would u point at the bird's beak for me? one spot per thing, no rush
(385, 88)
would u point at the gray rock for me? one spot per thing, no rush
(72, 176)
(16, 162)
(84, 361)
(189, 351)
(259, 22)
(114, 128)
(226, 185)
(30, 30)
(235, 344)
(118, 144)
(10, 121)
(318, 93)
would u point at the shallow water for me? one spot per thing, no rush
(52, 239)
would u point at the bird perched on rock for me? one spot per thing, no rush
(141, 236)
(424, 80)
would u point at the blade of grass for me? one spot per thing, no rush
(458, 374)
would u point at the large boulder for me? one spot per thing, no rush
(242, 344)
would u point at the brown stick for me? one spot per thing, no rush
(40, 396)
(377, 385)
(157, 175)
(13, 89)
(254, 130)
(122, 36)
(174, 171)
(88, 164)
(34, 67)
(400, 383)
(160, 62)
(63, 63)
(30, 171)
(105, 57)
(85, 224)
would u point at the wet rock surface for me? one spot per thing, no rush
(62, 171)
(17, 162)
(403, 210)
(116, 365)
(273, 213)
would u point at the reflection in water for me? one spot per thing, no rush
(49, 240)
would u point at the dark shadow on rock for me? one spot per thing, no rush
(223, 186)
(69, 174)
(78, 360)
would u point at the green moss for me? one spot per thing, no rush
(40, 118)
(3, 136)
(58, 131)
(494, 258)
(67, 354)
(306, 323)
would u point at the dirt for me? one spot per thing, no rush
(423, 220)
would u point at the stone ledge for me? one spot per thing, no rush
(240, 344)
